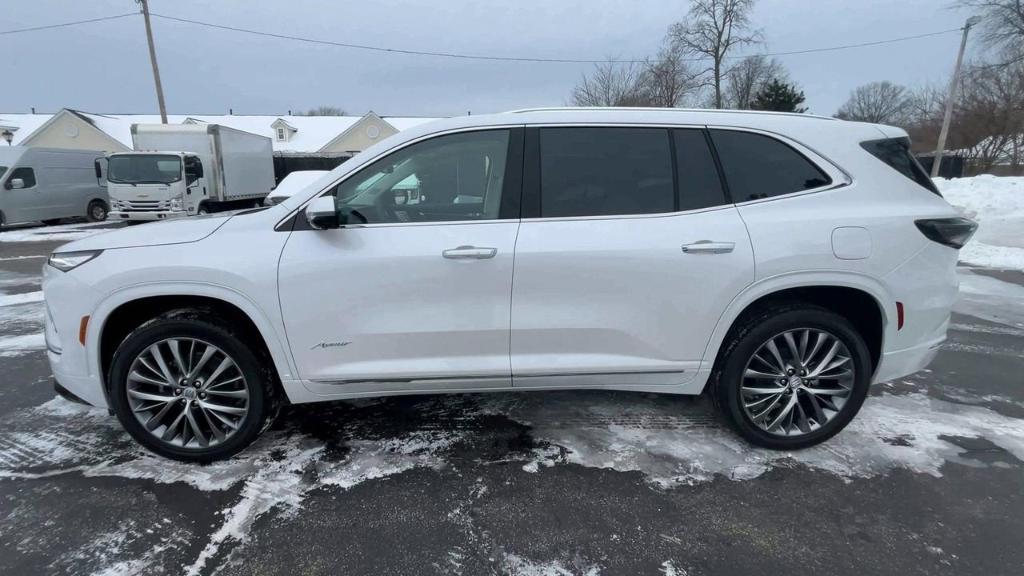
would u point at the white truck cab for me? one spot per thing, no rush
(188, 169)
(147, 186)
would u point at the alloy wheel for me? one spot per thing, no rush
(797, 381)
(187, 393)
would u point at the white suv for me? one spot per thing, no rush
(782, 262)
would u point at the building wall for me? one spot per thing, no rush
(69, 131)
(358, 138)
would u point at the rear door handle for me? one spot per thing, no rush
(469, 252)
(709, 247)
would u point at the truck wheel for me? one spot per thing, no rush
(97, 211)
(202, 210)
(188, 387)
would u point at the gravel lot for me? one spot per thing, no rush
(927, 480)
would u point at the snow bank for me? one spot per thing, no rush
(997, 203)
(65, 233)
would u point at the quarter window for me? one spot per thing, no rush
(895, 152)
(28, 175)
(757, 166)
(605, 171)
(699, 183)
(448, 178)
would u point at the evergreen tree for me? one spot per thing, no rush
(779, 96)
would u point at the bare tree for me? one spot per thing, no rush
(745, 79)
(878, 102)
(713, 28)
(990, 117)
(669, 81)
(1003, 25)
(323, 111)
(612, 83)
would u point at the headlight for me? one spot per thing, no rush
(66, 261)
(176, 204)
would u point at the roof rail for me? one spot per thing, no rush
(644, 109)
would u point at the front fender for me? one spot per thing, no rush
(271, 335)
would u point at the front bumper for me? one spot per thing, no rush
(146, 216)
(67, 301)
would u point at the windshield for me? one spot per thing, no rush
(144, 169)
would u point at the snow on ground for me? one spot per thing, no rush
(997, 204)
(65, 232)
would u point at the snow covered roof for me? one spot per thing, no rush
(21, 125)
(311, 134)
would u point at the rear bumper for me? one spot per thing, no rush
(145, 216)
(902, 363)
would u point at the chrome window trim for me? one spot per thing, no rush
(840, 177)
(388, 152)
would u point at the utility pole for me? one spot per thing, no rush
(950, 97)
(152, 60)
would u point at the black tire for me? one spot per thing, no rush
(51, 221)
(97, 211)
(204, 325)
(756, 331)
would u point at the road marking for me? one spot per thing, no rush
(6, 258)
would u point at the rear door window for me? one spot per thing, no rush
(602, 171)
(895, 153)
(758, 166)
(699, 185)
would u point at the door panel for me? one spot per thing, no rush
(384, 304)
(621, 296)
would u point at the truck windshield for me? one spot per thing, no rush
(144, 169)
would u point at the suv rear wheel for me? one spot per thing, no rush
(794, 377)
(187, 387)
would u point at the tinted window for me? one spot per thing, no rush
(895, 152)
(699, 184)
(28, 175)
(454, 177)
(605, 171)
(757, 166)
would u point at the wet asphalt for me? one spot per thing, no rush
(464, 484)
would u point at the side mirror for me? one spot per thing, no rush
(17, 183)
(321, 213)
(96, 168)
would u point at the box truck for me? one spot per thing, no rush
(48, 184)
(179, 170)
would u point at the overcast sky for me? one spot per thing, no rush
(104, 67)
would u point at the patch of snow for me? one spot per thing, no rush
(997, 204)
(18, 345)
(890, 432)
(16, 299)
(25, 313)
(372, 459)
(515, 565)
(668, 568)
(66, 232)
(990, 299)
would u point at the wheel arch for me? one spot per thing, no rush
(126, 310)
(862, 300)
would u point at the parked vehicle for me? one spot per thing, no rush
(292, 183)
(47, 184)
(188, 169)
(781, 262)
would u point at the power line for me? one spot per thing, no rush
(64, 24)
(464, 56)
(527, 59)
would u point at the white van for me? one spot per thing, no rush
(47, 184)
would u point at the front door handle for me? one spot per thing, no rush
(709, 247)
(469, 252)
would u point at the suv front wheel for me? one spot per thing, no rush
(793, 378)
(187, 387)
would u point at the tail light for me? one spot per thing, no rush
(952, 232)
